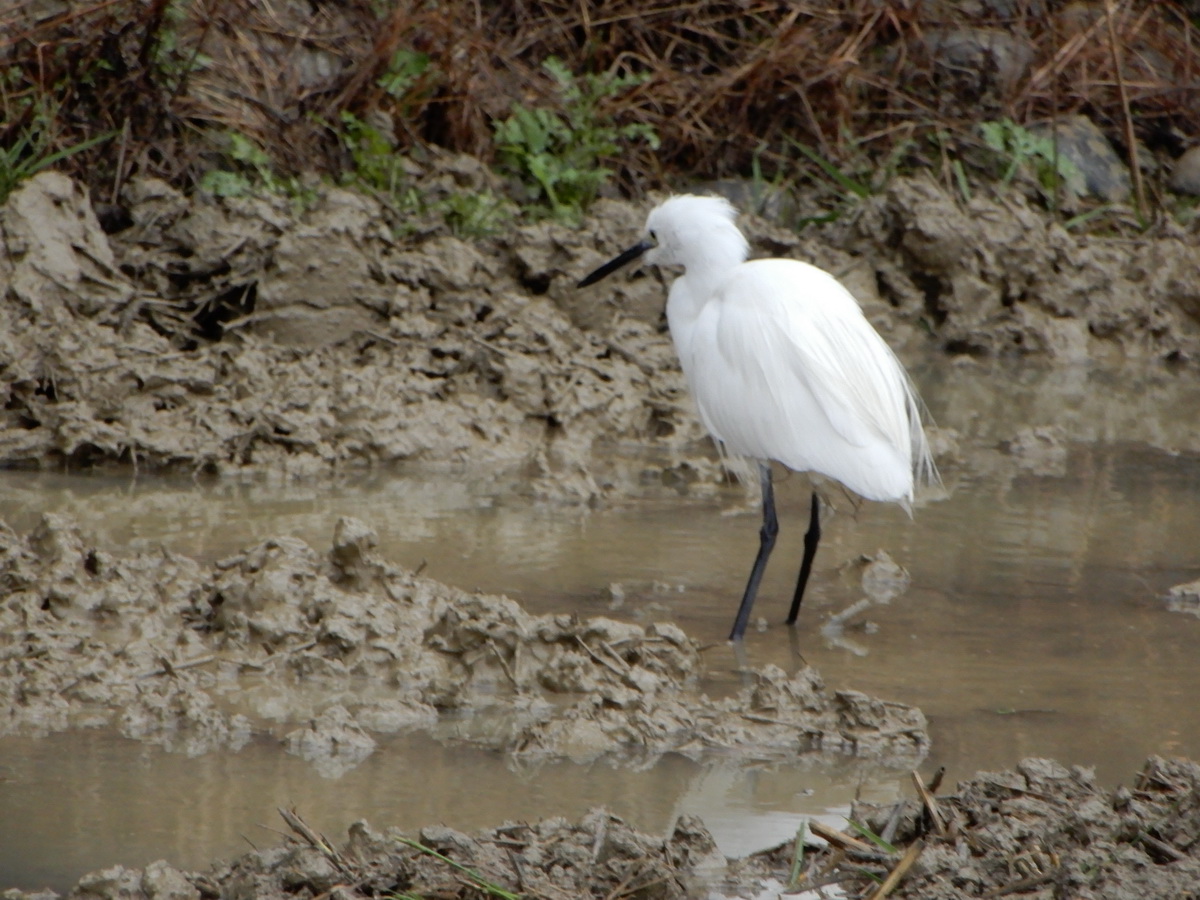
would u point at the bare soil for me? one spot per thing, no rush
(239, 334)
(221, 336)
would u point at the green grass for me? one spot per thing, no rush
(33, 150)
(476, 880)
(871, 836)
(1018, 147)
(797, 869)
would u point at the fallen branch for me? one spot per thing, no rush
(911, 855)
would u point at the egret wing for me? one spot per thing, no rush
(799, 375)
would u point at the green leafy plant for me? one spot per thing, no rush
(476, 214)
(382, 170)
(253, 172)
(471, 214)
(376, 163)
(173, 62)
(254, 167)
(405, 69)
(1020, 147)
(559, 156)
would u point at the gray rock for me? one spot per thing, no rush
(334, 742)
(1184, 598)
(53, 252)
(113, 883)
(1185, 174)
(991, 56)
(162, 881)
(1105, 175)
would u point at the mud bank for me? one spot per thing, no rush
(324, 650)
(241, 333)
(1039, 830)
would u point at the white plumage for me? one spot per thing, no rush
(783, 366)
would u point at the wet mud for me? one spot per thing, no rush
(156, 643)
(1039, 830)
(242, 334)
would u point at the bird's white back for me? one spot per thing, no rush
(783, 365)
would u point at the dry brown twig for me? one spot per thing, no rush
(911, 855)
(937, 820)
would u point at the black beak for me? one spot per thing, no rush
(613, 264)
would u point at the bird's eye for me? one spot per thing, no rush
(653, 236)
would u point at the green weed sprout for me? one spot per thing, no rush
(376, 163)
(477, 881)
(1020, 146)
(559, 155)
(31, 152)
(253, 172)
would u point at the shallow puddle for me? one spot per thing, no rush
(1033, 625)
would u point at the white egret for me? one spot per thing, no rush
(783, 366)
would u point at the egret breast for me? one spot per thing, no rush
(784, 366)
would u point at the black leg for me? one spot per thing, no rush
(812, 537)
(766, 539)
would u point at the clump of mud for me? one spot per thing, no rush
(324, 650)
(1040, 830)
(599, 856)
(994, 277)
(240, 333)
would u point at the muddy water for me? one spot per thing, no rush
(1033, 624)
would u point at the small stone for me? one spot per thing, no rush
(1082, 142)
(992, 56)
(113, 883)
(334, 742)
(162, 881)
(353, 541)
(1184, 598)
(1185, 174)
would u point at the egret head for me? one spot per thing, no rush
(686, 230)
(689, 231)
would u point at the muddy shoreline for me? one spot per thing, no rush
(163, 638)
(324, 344)
(164, 641)
(296, 330)
(238, 335)
(1039, 830)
